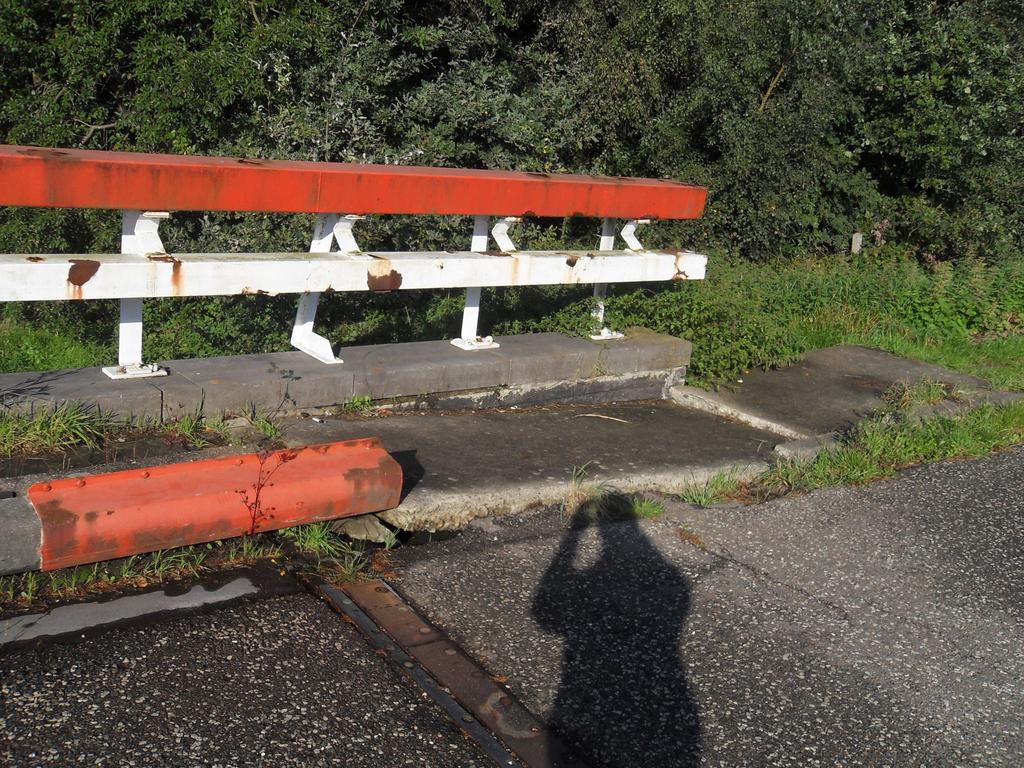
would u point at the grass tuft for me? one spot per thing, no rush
(586, 500)
(715, 489)
(263, 421)
(349, 564)
(358, 406)
(646, 508)
(901, 395)
(192, 429)
(877, 450)
(66, 425)
(315, 539)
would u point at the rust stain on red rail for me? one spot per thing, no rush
(77, 178)
(88, 519)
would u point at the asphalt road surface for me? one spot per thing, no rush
(277, 682)
(880, 625)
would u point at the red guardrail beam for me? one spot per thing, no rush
(117, 514)
(76, 178)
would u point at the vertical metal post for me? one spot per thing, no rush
(129, 334)
(140, 235)
(468, 339)
(471, 314)
(328, 228)
(601, 331)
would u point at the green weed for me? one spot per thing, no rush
(928, 392)
(263, 421)
(390, 540)
(182, 561)
(315, 539)
(221, 429)
(646, 508)
(350, 563)
(967, 316)
(30, 583)
(66, 425)
(191, 429)
(360, 406)
(24, 346)
(877, 449)
(584, 495)
(713, 490)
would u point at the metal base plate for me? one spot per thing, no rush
(606, 334)
(480, 342)
(134, 371)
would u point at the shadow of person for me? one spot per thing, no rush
(623, 698)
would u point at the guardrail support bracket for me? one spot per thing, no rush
(140, 235)
(602, 331)
(329, 227)
(468, 339)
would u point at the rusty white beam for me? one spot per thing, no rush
(27, 277)
(79, 178)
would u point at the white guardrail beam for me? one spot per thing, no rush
(49, 277)
(56, 178)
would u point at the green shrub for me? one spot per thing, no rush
(808, 120)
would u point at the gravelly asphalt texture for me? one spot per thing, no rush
(877, 626)
(277, 682)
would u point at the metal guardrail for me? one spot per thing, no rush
(133, 182)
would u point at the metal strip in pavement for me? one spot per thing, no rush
(466, 722)
(493, 705)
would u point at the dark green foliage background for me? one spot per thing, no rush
(807, 119)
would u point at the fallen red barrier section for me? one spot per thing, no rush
(88, 519)
(81, 178)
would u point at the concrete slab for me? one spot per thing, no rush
(600, 389)
(522, 369)
(830, 389)
(548, 357)
(274, 380)
(642, 350)
(32, 391)
(459, 466)
(383, 371)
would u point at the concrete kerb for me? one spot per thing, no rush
(22, 536)
(453, 510)
(808, 448)
(524, 370)
(710, 402)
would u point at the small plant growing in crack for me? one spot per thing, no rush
(258, 511)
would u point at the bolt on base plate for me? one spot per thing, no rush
(142, 371)
(480, 342)
(606, 334)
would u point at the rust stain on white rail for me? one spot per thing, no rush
(32, 277)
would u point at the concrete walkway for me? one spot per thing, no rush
(828, 390)
(459, 466)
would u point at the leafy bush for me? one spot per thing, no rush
(745, 316)
(807, 119)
